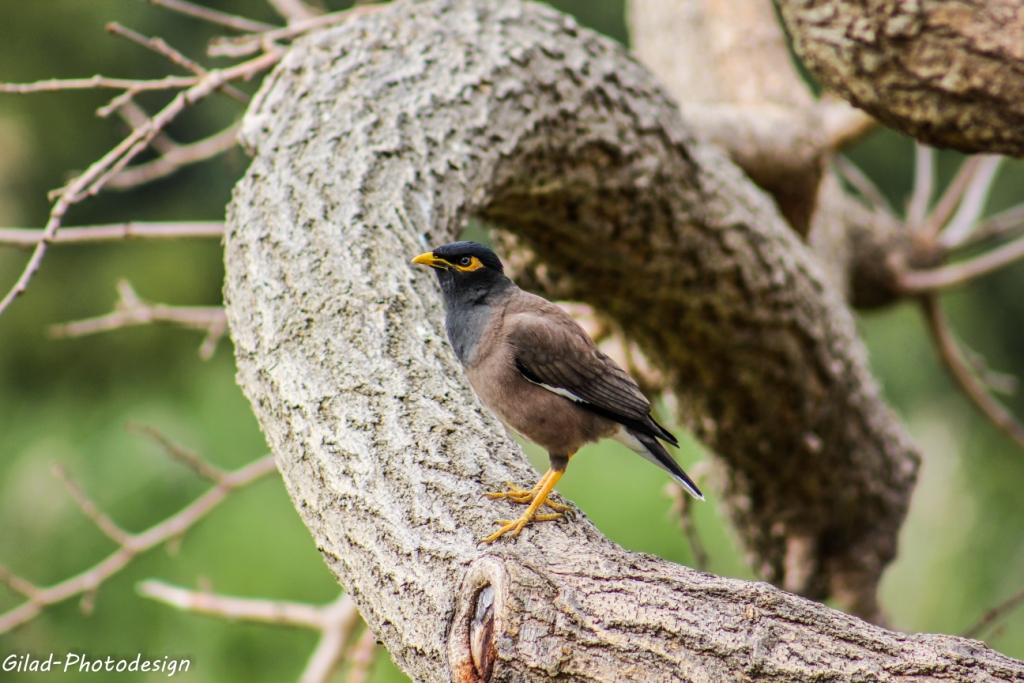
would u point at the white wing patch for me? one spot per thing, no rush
(557, 390)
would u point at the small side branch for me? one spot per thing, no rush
(961, 273)
(133, 544)
(133, 310)
(293, 10)
(231, 21)
(175, 158)
(995, 614)
(247, 45)
(176, 451)
(953, 358)
(115, 232)
(335, 621)
(95, 82)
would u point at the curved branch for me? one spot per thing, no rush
(963, 272)
(953, 358)
(949, 73)
(556, 135)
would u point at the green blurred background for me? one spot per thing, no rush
(67, 401)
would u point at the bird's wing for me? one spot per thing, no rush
(552, 350)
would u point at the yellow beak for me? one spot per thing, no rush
(429, 259)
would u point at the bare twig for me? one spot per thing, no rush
(360, 657)
(176, 451)
(681, 510)
(994, 614)
(294, 10)
(247, 45)
(55, 84)
(89, 508)
(132, 310)
(17, 584)
(1004, 223)
(335, 621)
(95, 177)
(213, 16)
(924, 184)
(171, 161)
(950, 199)
(28, 237)
(972, 205)
(136, 116)
(160, 46)
(853, 175)
(960, 273)
(239, 609)
(960, 368)
(328, 653)
(134, 544)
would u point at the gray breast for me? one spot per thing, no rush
(466, 326)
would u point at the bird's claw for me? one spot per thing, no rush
(524, 497)
(514, 526)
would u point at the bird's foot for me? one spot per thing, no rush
(536, 498)
(514, 526)
(524, 497)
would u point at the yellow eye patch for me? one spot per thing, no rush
(474, 264)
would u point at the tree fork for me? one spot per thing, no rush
(375, 139)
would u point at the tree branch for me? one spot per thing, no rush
(131, 310)
(97, 81)
(995, 614)
(293, 10)
(28, 237)
(958, 274)
(100, 172)
(554, 134)
(132, 545)
(953, 358)
(172, 160)
(335, 621)
(950, 74)
(213, 16)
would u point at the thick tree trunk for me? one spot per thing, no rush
(377, 139)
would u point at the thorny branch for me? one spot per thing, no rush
(335, 621)
(132, 310)
(130, 544)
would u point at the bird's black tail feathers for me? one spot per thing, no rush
(663, 433)
(664, 459)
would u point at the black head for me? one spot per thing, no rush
(468, 272)
(461, 257)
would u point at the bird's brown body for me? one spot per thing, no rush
(553, 422)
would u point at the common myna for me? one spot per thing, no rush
(541, 374)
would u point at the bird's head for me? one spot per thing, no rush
(465, 267)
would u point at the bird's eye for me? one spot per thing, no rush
(465, 261)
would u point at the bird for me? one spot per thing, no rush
(541, 374)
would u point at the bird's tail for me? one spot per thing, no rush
(657, 454)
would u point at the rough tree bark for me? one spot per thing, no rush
(381, 137)
(949, 73)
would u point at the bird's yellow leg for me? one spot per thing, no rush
(515, 526)
(524, 497)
